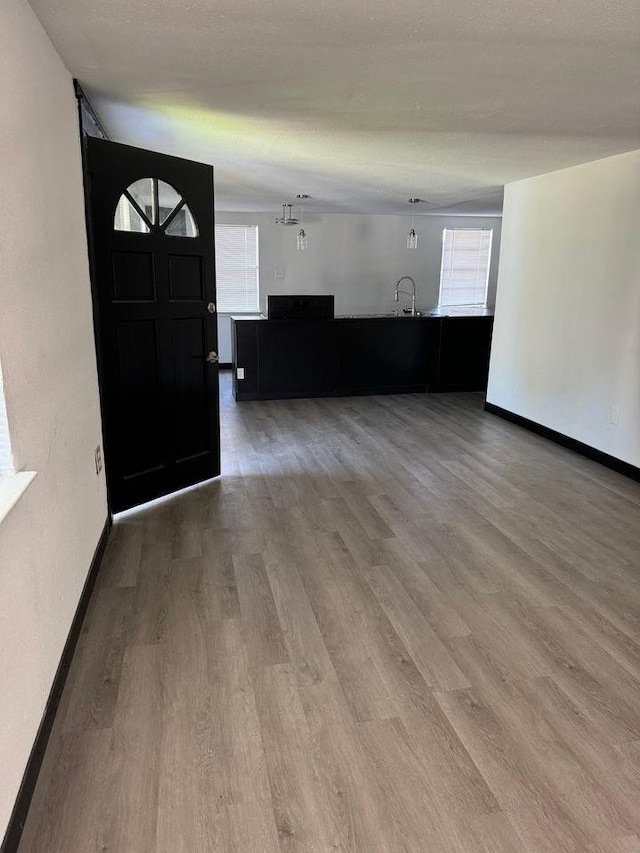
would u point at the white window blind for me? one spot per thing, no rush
(464, 274)
(6, 458)
(237, 268)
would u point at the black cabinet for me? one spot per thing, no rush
(462, 358)
(376, 355)
(298, 357)
(389, 354)
(307, 306)
(244, 354)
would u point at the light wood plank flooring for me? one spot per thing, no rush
(394, 624)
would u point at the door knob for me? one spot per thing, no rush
(212, 358)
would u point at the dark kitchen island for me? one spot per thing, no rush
(363, 354)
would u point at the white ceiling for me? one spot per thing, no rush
(360, 103)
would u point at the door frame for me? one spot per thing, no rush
(90, 125)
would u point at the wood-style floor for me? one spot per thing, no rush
(394, 624)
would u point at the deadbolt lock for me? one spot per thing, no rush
(211, 308)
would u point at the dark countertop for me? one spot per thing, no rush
(390, 316)
(461, 311)
(429, 314)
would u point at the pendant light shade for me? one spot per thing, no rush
(302, 243)
(412, 237)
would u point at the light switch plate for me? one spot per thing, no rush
(240, 372)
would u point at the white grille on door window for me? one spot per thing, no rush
(150, 204)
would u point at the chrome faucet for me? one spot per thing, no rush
(406, 293)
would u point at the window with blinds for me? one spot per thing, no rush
(6, 458)
(464, 274)
(237, 268)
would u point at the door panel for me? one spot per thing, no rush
(139, 397)
(186, 278)
(154, 281)
(191, 374)
(133, 277)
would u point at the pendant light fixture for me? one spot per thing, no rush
(302, 237)
(286, 218)
(412, 237)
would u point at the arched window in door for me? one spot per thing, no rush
(150, 204)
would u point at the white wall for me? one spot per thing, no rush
(566, 342)
(47, 352)
(356, 257)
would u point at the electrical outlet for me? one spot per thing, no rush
(614, 416)
(240, 372)
(98, 459)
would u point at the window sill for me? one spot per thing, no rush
(11, 490)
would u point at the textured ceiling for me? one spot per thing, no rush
(360, 103)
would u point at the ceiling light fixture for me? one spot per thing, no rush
(286, 218)
(302, 237)
(412, 237)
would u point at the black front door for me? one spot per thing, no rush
(152, 238)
